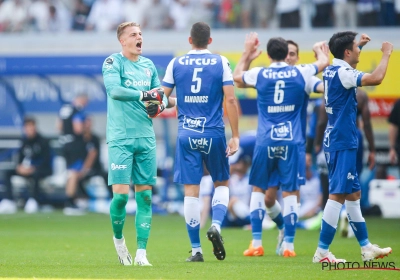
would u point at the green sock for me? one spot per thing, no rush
(118, 213)
(143, 217)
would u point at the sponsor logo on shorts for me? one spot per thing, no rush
(278, 152)
(194, 124)
(282, 131)
(201, 144)
(118, 166)
(350, 176)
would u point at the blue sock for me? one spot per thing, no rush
(357, 222)
(329, 223)
(191, 208)
(326, 235)
(257, 213)
(279, 221)
(361, 233)
(219, 206)
(275, 213)
(290, 211)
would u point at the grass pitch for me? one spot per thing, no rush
(56, 246)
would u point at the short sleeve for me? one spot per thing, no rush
(168, 80)
(250, 77)
(350, 77)
(308, 71)
(314, 82)
(227, 78)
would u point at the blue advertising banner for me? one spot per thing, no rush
(44, 83)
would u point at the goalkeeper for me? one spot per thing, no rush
(131, 83)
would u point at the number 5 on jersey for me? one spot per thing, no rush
(196, 87)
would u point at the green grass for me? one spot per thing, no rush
(56, 246)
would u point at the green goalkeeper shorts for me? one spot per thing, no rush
(132, 159)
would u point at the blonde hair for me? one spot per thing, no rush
(124, 25)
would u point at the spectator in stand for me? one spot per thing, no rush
(13, 16)
(323, 13)
(105, 15)
(156, 18)
(368, 12)
(257, 13)
(394, 134)
(180, 13)
(34, 162)
(92, 165)
(80, 15)
(229, 13)
(203, 11)
(289, 13)
(59, 17)
(39, 15)
(134, 10)
(387, 14)
(345, 12)
(71, 125)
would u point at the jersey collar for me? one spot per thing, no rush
(341, 62)
(278, 64)
(199, 52)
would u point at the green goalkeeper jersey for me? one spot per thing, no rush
(124, 80)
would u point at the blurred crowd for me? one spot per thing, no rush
(105, 15)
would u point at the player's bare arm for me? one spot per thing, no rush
(377, 76)
(362, 100)
(233, 116)
(321, 51)
(250, 53)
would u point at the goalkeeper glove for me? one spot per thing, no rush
(155, 95)
(153, 110)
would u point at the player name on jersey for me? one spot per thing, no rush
(196, 99)
(280, 109)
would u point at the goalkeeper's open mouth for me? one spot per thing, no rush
(139, 45)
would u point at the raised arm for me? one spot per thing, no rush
(250, 53)
(377, 76)
(321, 51)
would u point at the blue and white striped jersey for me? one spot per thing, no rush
(199, 77)
(282, 93)
(341, 82)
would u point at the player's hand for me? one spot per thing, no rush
(251, 44)
(153, 110)
(392, 156)
(387, 48)
(155, 95)
(233, 146)
(364, 39)
(371, 160)
(319, 46)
